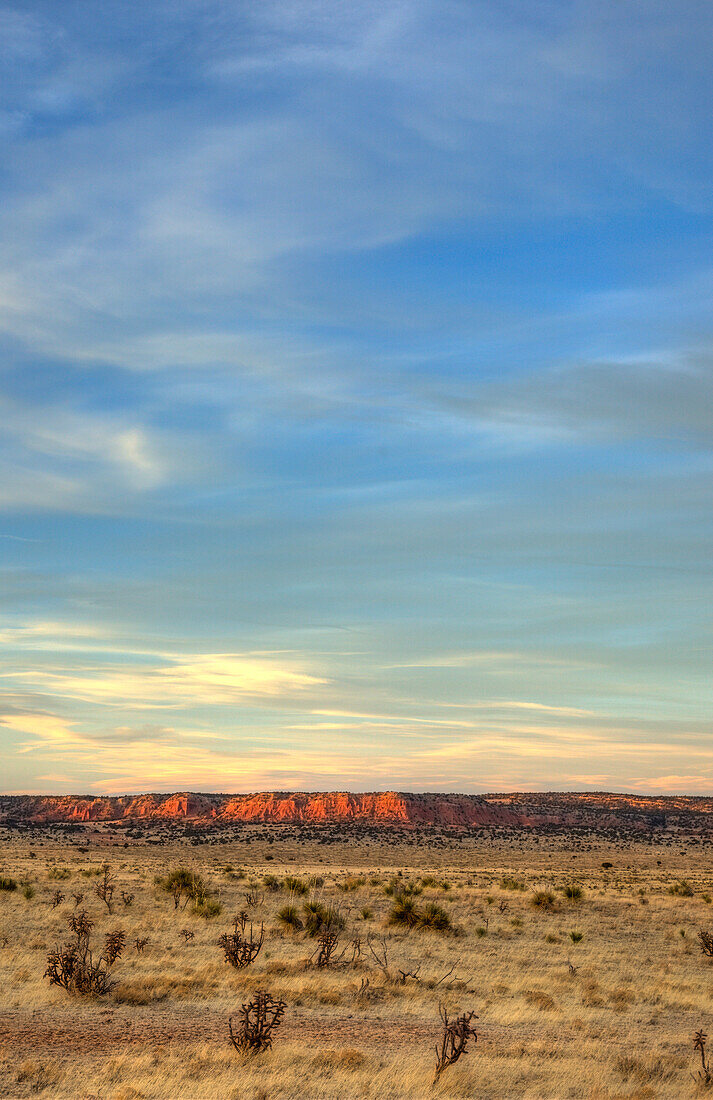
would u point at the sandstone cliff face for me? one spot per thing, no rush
(389, 807)
(597, 811)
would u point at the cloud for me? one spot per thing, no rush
(664, 401)
(203, 679)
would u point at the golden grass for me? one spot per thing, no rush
(617, 1023)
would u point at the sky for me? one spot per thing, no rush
(356, 390)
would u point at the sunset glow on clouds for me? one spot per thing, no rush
(357, 396)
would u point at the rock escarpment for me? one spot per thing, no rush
(389, 808)
(554, 811)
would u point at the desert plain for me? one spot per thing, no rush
(578, 951)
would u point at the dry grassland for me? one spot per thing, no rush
(617, 1023)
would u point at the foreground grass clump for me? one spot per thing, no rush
(543, 899)
(7, 883)
(405, 912)
(184, 885)
(289, 917)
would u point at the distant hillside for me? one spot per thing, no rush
(598, 811)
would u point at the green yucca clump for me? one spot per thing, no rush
(573, 892)
(322, 918)
(296, 885)
(683, 889)
(7, 883)
(543, 899)
(509, 883)
(404, 912)
(576, 937)
(205, 906)
(434, 917)
(350, 884)
(289, 916)
(59, 873)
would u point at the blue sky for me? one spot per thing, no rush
(357, 396)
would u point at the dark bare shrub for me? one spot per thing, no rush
(73, 967)
(241, 946)
(114, 945)
(454, 1040)
(106, 886)
(255, 1022)
(705, 1073)
(706, 939)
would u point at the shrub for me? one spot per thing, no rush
(508, 883)
(73, 967)
(366, 913)
(706, 939)
(241, 948)
(576, 937)
(683, 889)
(272, 883)
(7, 883)
(207, 907)
(114, 945)
(255, 1023)
(319, 917)
(435, 918)
(182, 883)
(454, 1040)
(289, 916)
(296, 885)
(404, 912)
(28, 891)
(58, 873)
(543, 899)
(573, 892)
(350, 884)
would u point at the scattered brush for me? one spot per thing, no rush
(128, 899)
(183, 885)
(57, 898)
(140, 943)
(188, 934)
(435, 918)
(319, 918)
(405, 912)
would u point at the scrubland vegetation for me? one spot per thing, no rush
(140, 972)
